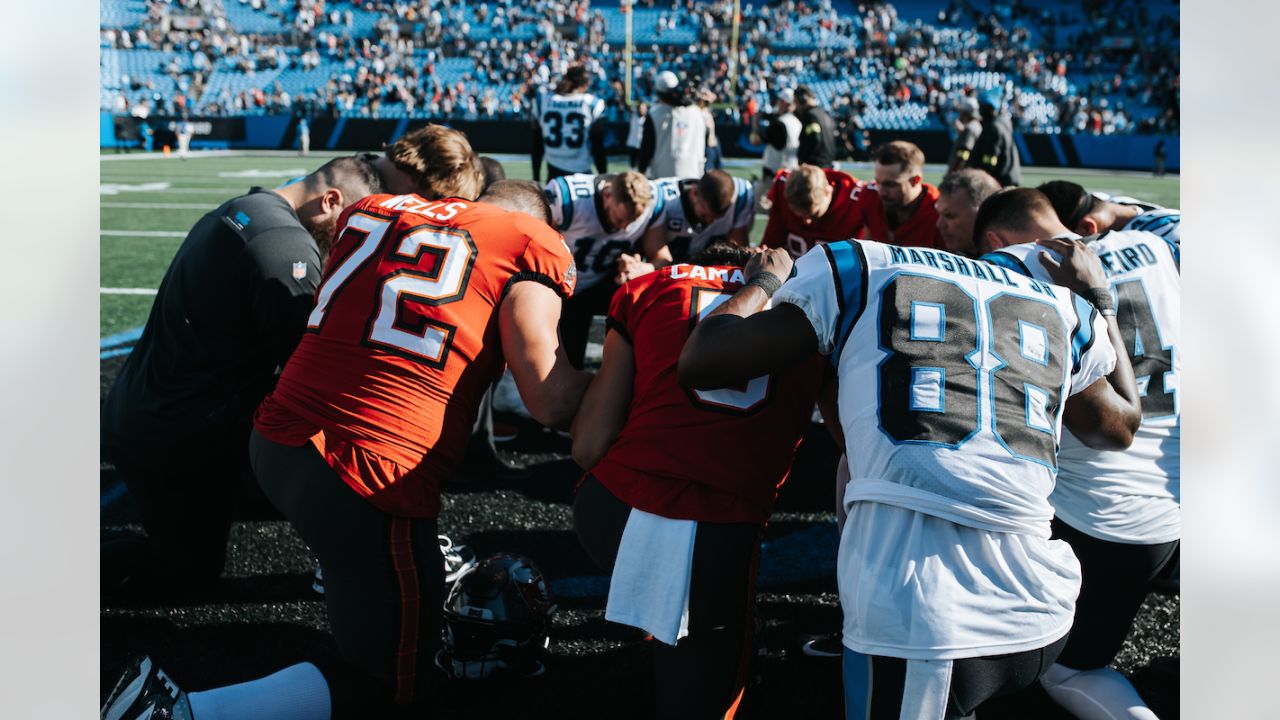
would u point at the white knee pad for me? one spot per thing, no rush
(1101, 694)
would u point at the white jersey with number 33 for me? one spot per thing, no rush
(566, 122)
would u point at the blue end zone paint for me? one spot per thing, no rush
(112, 494)
(1021, 142)
(400, 128)
(337, 133)
(121, 338)
(1058, 154)
(801, 556)
(114, 353)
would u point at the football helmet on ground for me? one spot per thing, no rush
(496, 620)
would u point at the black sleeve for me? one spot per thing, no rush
(808, 141)
(984, 147)
(776, 134)
(647, 144)
(596, 135)
(280, 302)
(536, 152)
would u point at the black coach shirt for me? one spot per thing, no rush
(231, 308)
(817, 138)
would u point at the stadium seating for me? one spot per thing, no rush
(845, 57)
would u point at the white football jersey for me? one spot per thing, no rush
(686, 236)
(1131, 496)
(566, 121)
(1165, 222)
(576, 208)
(953, 375)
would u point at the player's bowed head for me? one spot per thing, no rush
(1105, 415)
(435, 162)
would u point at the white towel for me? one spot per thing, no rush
(650, 585)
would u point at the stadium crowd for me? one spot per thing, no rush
(461, 61)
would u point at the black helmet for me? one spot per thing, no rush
(496, 620)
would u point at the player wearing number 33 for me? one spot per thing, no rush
(955, 378)
(565, 130)
(677, 522)
(1120, 511)
(601, 217)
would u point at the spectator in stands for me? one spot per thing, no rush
(968, 127)
(960, 194)
(817, 131)
(675, 135)
(996, 151)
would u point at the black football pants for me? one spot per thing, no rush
(703, 674)
(185, 500)
(576, 314)
(1115, 579)
(383, 581)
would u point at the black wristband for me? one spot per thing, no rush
(1101, 299)
(766, 281)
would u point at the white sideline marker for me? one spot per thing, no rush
(127, 291)
(160, 206)
(142, 233)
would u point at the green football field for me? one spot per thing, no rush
(149, 202)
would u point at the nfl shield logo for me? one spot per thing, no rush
(299, 270)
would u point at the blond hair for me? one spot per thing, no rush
(440, 162)
(632, 189)
(805, 188)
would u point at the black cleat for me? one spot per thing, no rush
(145, 692)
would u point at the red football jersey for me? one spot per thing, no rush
(785, 229)
(710, 455)
(920, 230)
(403, 341)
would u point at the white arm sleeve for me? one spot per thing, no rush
(813, 290)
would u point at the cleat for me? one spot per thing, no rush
(318, 583)
(145, 692)
(824, 646)
(458, 559)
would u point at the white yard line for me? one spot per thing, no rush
(143, 233)
(127, 291)
(165, 206)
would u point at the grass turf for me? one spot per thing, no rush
(141, 192)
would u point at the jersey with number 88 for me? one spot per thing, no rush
(403, 340)
(953, 376)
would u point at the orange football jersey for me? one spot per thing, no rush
(710, 455)
(403, 341)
